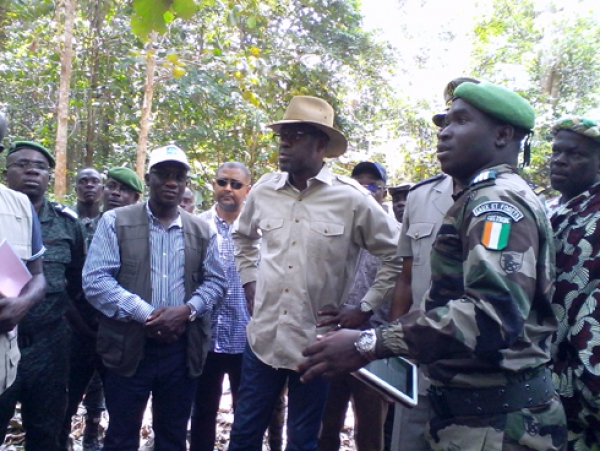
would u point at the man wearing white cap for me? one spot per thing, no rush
(153, 272)
(313, 225)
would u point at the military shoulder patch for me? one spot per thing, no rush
(496, 231)
(499, 207)
(65, 210)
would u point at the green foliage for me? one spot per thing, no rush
(155, 15)
(222, 74)
(550, 55)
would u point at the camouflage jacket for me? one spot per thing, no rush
(64, 239)
(576, 350)
(488, 313)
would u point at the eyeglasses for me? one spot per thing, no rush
(26, 164)
(235, 184)
(164, 174)
(373, 187)
(292, 136)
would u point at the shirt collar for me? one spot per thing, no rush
(176, 223)
(324, 176)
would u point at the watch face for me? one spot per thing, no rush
(366, 342)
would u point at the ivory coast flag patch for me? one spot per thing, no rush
(496, 231)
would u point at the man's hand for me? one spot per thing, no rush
(250, 291)
(349, 317)
(167, 324)
(333, 355)
(12, 311)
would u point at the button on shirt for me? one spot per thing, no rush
(167, 272)
(308, 252)
(231, 316)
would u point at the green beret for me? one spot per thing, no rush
(128, 177)
(498, 102)
(586, 127)
(20, 145)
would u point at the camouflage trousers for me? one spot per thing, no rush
(540, 428)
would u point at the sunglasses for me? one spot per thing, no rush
(373, 187)
(235, 184)
(293, 136)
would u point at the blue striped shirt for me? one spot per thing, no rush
(230, 317)
(167, 272)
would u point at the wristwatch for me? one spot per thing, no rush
(365, 307)
(193, 311)
(366, 344)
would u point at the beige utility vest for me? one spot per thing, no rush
(16, 221)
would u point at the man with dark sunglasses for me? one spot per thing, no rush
(154, 274)
(311, 225)
(230, 186)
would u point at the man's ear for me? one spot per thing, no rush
(504, 135)
(146, 178)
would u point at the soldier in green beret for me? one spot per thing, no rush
(123, 187)
(575, 173)
(41, 383)
(485, 331)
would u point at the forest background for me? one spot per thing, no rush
(100, 82)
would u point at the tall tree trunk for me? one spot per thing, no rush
(66, 58)
(140, 164)
(95, 44)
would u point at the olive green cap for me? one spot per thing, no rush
(128, 177)
(20, 145)
(500, 103)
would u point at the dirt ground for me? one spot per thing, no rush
(16, 435)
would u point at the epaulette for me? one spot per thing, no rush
(484, 176)
(435, 178)
(535, 188)
(66, 211)
(353, 183)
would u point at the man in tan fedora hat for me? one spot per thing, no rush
(313, 225)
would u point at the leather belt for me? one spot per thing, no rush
(449, 402)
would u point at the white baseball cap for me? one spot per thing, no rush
(168, 153)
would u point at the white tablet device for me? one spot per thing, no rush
(394, 378)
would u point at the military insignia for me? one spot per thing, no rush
(511, 261)
(496, 231)
(490, 174)
(499, 207)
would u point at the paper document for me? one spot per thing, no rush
(14, 275)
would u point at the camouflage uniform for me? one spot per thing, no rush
(575, 351)
(41, 384)
(487, 322)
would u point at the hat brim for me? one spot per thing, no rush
(338, 144)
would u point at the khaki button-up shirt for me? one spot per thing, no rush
(308, 253)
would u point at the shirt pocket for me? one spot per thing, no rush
(418, 232)
(326, 241)
(56, 259)
(272, 235)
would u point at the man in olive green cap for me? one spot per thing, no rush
(123, 187)
(42, 375)
(575, 173)
(484, 333)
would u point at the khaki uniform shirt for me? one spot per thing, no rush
(310, 244)
(426, 205)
